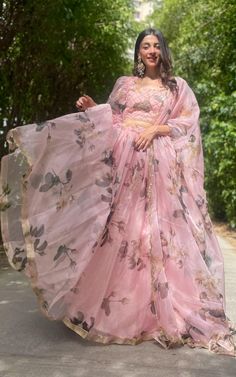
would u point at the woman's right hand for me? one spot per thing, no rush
(84, 102)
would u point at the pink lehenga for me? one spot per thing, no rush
(118, 242)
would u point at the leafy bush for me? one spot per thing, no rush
(220, 157)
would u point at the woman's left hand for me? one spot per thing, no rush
(145, 138)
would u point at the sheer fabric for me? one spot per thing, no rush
(117, 242)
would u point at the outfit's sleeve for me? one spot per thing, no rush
(117, 98)
(185, 112)
(185, 134)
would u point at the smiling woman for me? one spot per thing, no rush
(149, 53)
(112, 226)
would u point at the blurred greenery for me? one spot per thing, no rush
(54, 51)
(202, 37)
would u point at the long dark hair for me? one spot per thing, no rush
(165, 64)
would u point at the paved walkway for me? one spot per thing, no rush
(32, 346)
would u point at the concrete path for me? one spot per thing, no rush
(32, 346)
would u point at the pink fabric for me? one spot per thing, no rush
(118, 243)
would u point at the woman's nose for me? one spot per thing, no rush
(152, 50)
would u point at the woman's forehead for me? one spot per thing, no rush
(150, 39)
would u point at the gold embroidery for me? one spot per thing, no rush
(105, 339)
(135, 123)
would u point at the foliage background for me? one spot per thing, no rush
(202, 38)
(53, 51)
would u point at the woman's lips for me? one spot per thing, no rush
(152, 59)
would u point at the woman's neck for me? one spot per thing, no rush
(152, 75)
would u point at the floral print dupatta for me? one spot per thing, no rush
(118, 243)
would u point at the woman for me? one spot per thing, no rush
(112, 226)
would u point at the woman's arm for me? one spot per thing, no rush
(184, 113)
(117, 98)
(183, 119)
(163, 130)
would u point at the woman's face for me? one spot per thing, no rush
(149, 51)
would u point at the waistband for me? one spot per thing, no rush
(136, 123)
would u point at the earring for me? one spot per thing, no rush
(140, 67)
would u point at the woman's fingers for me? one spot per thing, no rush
(89, 99)
(139, 140)
(144, 139)
(79, 103)
(85, 102)
(82, 103)
(146, 145)
(140, 144)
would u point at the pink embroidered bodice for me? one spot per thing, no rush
(143, 104)
(137, 106)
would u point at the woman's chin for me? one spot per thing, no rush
(151, 65)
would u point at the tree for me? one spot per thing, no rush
(54, 51)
